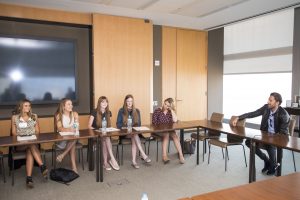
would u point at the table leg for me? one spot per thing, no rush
(198, 145)
(252, 171)
(97, 160)
(181, 137)
(91, 155)
(279, 161)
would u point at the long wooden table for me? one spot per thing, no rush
(8, 141)
(255, 136)
(280, 141)
(277, 188)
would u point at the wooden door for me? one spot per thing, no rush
(191, 59)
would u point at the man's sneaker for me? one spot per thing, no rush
(271, 171)
(266, 167)
(29, 182)
(44, 171)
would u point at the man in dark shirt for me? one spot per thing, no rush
(275, 120)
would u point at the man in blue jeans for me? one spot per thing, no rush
(275, 120)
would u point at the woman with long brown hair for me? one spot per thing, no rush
(129, 111)
(24, 122)
(97, 117)
(65, 118)
(166, 115)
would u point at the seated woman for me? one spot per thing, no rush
(24, 122)
(95, 122)
(65, 118)
(129, 111)
(165, 115)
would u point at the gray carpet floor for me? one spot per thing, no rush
(159, 181)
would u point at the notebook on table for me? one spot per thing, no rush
(26, 137)
(66, 133)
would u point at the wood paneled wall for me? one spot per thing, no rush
(123, 56)
(45, 14)
(191, 74)
(169, 65)
(184, 71)
(123, 62)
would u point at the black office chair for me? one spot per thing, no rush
(2, 166)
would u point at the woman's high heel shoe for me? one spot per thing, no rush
(166, 160)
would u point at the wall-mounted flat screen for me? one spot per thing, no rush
(40, 69)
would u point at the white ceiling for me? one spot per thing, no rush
(195, 14)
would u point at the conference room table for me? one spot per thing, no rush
(10, 141)
(255, 136)
(277, 188)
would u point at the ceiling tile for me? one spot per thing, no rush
(206, 7)
(169, 6)
(134, 4)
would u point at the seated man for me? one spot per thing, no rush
(275, 119)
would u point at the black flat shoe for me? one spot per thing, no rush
(29, 182)
(44, 171)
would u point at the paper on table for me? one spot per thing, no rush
(66, 133)
(25, 138)
(109, 129)
(141, 128)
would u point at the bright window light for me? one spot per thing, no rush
(16, 75)
(248, 92)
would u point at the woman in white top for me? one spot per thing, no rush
(64, 121)
(24, 122)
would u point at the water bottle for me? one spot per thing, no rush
(76, 127)
(144, 196)
(129, 123)
(104, 125)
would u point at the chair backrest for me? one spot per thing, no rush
(240, 123)
(54, 124)
(233, 138)
(217, 117)
(292, 126)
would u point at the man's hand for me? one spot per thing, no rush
(234, 121)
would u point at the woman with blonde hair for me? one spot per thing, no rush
(65, 118)
(130, 112)
(24, 122)
(97, 117)
(166, 115)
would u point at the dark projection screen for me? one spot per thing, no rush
(32, 69)
(44, 61)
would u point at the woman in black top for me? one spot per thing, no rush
(97, 116)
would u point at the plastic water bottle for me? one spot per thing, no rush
(76, 127)
(104, 125)
(144, 196)
(129, 123)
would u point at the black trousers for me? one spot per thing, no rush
(271, 150)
